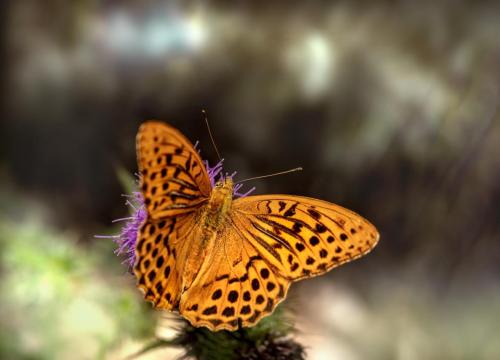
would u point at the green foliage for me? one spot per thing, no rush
(128, 182)
(55, 301)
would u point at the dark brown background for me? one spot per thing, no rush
(391, 108)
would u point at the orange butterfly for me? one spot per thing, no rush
(223, 262)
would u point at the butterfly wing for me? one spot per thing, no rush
(159, 259)
(302, 237)
(175, 185)
(236, 288)
(173, 177)
(268, 242)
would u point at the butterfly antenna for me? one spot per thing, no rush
(210, 133)
(265, 176)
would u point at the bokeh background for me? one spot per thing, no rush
(391, 108)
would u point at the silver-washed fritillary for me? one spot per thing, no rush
(224, 262)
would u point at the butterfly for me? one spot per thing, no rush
(224, 262)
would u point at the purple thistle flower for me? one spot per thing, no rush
(127, 238)
(236, 191)
(215, 171)
(128, 235)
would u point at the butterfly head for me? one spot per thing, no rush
(224, 185)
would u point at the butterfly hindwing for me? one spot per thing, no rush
(237, 289)
(159, 259)
(173, 177)
(155, 268)
(302, 237)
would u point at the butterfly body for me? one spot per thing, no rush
(226, 262)
(213, 216)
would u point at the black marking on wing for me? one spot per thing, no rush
(268, 247)
(271, 235)
(270, 222)
(173, 194)
(268, 207)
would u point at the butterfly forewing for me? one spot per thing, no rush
(173, 177)
(300, 236)
(175, 185)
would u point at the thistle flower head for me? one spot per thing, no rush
(272, 338)
(128, 235)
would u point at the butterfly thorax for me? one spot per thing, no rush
(218, 205)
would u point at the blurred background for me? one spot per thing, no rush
(391, 108)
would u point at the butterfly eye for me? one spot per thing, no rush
(218, 184)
